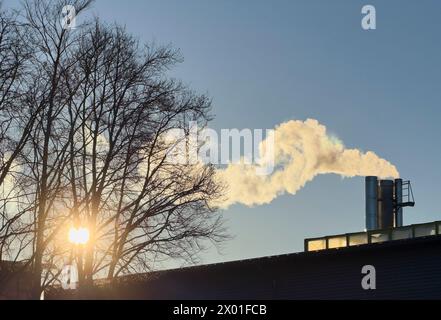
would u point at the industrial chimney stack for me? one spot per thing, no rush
(384, 202)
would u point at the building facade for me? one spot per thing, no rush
(404, 269)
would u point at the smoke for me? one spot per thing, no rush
(302, 150)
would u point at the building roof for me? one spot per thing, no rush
(407, 268)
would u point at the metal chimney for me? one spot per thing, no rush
(386, 204)
(385, 200)
(371, 202)
(398, 202)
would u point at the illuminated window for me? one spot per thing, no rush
(337, 242)
(314, 245)
(358, 239)
(374, 236)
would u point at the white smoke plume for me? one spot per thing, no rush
(302, 150)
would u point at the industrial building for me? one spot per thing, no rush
(405, 269)
(407, 262)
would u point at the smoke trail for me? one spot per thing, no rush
(302, 150)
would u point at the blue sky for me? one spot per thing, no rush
(266, 62)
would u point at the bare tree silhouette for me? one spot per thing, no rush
(89, 147)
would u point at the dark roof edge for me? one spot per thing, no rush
(296, 255)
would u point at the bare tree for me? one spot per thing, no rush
(16, 124)
(46, 153)
(137, 204)
(93, 150)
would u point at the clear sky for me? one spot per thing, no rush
(266, 62)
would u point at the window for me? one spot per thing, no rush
(356, 239)
(374, 236)
(314, 245)
(337, 242)
(424, 230)
(402, 233)
(379, 237)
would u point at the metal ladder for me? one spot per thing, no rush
(408, 198)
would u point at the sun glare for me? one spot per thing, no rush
(78, 236)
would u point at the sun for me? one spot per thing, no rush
(78, 236)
